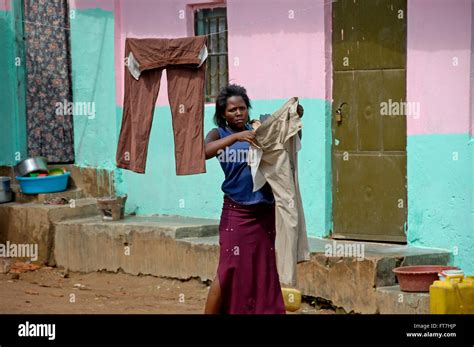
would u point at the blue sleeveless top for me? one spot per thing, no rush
(238, 183)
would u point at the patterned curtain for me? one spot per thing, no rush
(48, 82)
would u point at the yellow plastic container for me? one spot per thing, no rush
(292, 299)
(455, 295)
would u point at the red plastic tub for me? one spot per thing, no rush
(419, 278)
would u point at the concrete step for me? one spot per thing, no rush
(72, 193)
(166, 247)
(391, 300)
(170, 246)
(349, 281)
(34, 223)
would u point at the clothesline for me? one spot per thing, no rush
(209, 34)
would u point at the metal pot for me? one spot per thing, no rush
(5, 191)
(30, 165)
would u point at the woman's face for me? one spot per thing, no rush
(236, 112)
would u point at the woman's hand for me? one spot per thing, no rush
(255, 123)
(300, 110)
(246, 135)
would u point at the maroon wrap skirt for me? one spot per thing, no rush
(247, 266)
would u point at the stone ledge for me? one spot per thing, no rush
(135, 250)
(391, 300)
(177, 227)
(350, 283)
(32, 223)
(74, 193)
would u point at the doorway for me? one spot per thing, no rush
(368, 130)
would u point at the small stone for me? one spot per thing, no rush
(5, 265)
(31, 292)
(57, 295)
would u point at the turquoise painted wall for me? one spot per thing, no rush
(93, 78)
(160, 191)
(440, 195)
(12, 129)
(6, 88)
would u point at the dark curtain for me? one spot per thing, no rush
(48, 80)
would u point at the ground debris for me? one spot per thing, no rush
(22, 267)
(80, 286)
(31, 292)
(57, 295)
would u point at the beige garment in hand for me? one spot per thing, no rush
(276, 162)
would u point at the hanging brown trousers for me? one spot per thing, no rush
(184, 61)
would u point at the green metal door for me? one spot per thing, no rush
(369, 131)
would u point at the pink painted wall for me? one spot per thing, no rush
(439, 36)
(278, 57)
(4, 5)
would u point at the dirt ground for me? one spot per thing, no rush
(51, 290)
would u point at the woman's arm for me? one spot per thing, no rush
(214, 143)
(300, 111)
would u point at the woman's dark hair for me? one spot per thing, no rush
(221, 102)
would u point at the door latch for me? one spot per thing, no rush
(338, 115)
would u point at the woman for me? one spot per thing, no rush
(247, 279)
